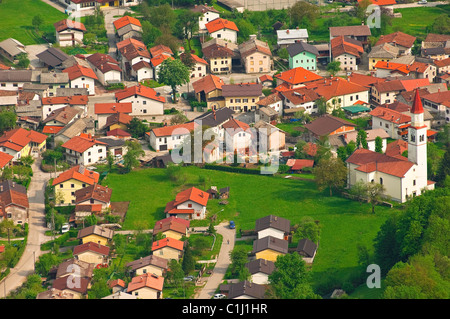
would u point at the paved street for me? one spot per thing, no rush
(223, 261)
(36, 234)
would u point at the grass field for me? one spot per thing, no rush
(345, 223)
(16, 17)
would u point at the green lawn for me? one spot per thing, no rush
(16, 17)
(345, 223)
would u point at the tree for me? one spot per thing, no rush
(359, 191)
(162, 16)
(137, 128)
(7, 226)
(175, 273)
(361, 8)
(375, 195)
(290, 279)
(441, 24)
(110, 160)
(149, 33)
(99, 289)
(37, 22)
(7, 121)
(238, 258)
(187, 25)
(361, 139)
(334, 67)
(188, 60)
(303, 14)
(331, 173)
(188, 263)
(444, 167)
(131, 158)
(246, 29)
(308, 228)
(173, 73)
(27, 160)
(378, 144)
(322, 105)
(283, 53)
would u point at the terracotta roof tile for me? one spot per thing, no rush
(76, 71)
(111, 108)
(140, 90)
(219, 24)
(95, 191)
(125, 20)
(92, 247)
(298, 75)
(208, 83)
(78, 173)
(168, 242)
(69, 24)
(171, 130)
(80, 143)
(146, 281)
(400, 38)
(390, 115)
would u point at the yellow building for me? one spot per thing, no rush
(383, 52)
(96, 234)
(270, 248)
(170, 228)
(72, 180)
(147, 286)
(168, 248)
(20, 142)
(242, 97)
(92, 253)
(148, 265)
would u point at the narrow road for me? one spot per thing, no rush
(223, 261)
(36, 233)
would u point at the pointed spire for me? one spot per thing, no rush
(417, 104)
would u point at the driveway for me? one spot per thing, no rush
(36, 233)
(223, 261)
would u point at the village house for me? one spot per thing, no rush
(76, 285)
(83, 149)
(222, 29)
(435, 46)
(256, 56)
(93, 195)
(19, 142)
(207, 14)
(199, 68)
(327, 125)
(103, 110)
(69, 33)
(14, 80)
(169, 137)
(394, 123)
(59, 118)
(156, 61)
(51, 104)
(188, 204)
(387, 92)
(131, 52)
(145, 100)
(266, 114)
(347, 51)
(273, 102)
(402, 178)
(404, 42)
(273, 226)
(209, 90)
(260, 269)
(5, 160)
(237, 137)
(170, 227)
(269, 137)
(343, 140)
(287, 37)
(81, 77)
(118, 286)
(53, 293)
(219, 58)
(96, 234)
(106, 68)
(382, 52)
(14, 204)
(246, 290)
(52, 58)
(168, 248)
(302, 54)
(68, 182)
(437, 103)
(269, 248)
(128, 27)
(406, 109)
(299, 99)
(242, 97)
(146, 286)
(117, 121)
(11, 49)
(92, 253)
(357, 32)
(79, 127)
(151, 264)
(442, 66)
(294, 78)
(54, 81)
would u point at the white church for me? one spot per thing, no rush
(402, 177)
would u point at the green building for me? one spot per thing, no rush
(302, 54)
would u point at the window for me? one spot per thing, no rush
(72, 185)
(61, 185)
(100, 150)
(238, 100)
(190, 205)
(381, 180)
(414, 182)
(72, 193)
(89, 153)
(144, 102)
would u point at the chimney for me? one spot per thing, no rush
(287, 31)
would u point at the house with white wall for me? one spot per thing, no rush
(188, 204)
(207, 14)
(106, 68)
(83, 149)
(222, 29)
(69, 33)
(82, 77)
(145, 100)
(169, 137)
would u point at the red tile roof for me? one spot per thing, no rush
(298, 164)
(417, 107)
(78, 173)
(168, 242)
(160, 49)
(334, 87)
(298, 75)
(381, 2)
(158, 59)
(397, 67)
(5, 159)
(76, 71)
(192, 194)
(95, 191)
(69, 24)
(175, 219)
(18, 138)
(265, 78)
(196, 58)
(92, 247)
(396, 148)
(172, 130)
(49, 129)
(442, 63)
(208, 83)
(219, 24)
(341, 45)
(300, 95)
(126, 20)
(169, 224)
(390, 115)
(132, 48)
(104, 62)
(71, 100)
(400, 38)
(118, 118)
(370, 161)
(364, 80)
(118, 132)
(146, 281)
(80, 143)
(413, 84)
(140, 90)
(111, 108)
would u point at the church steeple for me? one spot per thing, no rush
(417, 111)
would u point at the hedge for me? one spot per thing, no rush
(233, 169)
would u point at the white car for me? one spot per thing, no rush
(65, 228)
(219, 296)
(422, 2)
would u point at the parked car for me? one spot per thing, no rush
(65, 228)
(232, 225)
(188, 278)
(422, 2)
(219, 296)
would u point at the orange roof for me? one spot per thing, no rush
(193, 194)
(179, 129)
(207, 84)
(93, 247)
(390, 115)
(219, 24)
(235, 125)
(399, 67)
(160, 49)
(146, 281)
(18, 138)
(5, 159)
(117, 282)
(413, 84)
(49, 129)
(198, 59)
(442, 63)
(121, 22)
(140, 90)
(370, 161)
(168, 242)
(381, 2)
(341, 45)
(364, 80)
(298, 75)
(158, 59)
(298, 164)
(417, 104)
(265, 78)
(80, 143)
(118, 132)
(110, 108)
(397, 38)
(396, 148)
(78, 173)
(333, 87)
(77, 71)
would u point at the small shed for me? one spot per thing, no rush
(224, 192)
(307, 250)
